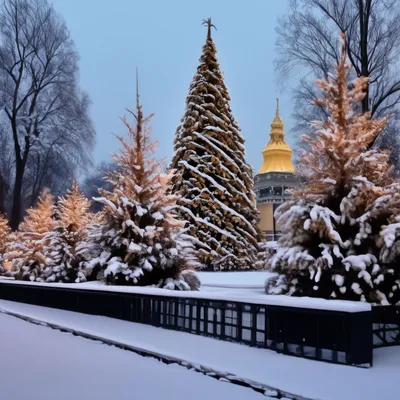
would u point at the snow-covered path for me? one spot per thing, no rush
(38, 363)
(311, 379)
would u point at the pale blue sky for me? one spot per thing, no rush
(164, 39)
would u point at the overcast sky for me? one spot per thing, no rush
(164, 39)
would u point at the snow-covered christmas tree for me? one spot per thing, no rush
(341, 229)
(27, 254)
(64, 240)
(212, 178)
(139, 238)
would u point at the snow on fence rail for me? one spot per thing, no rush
(249, 297)
(343, 337)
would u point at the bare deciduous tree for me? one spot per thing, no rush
(6, 168)
(307, 45)
(38, 89)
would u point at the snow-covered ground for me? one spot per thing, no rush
(38, 363)
(311, 379)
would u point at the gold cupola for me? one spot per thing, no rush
(277, 153)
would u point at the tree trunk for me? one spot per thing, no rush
(364, 13)
(16, 207)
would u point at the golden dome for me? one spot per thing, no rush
(277, 153)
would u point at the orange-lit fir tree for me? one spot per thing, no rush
(73, 217)
(27, 254)
(139, 238)
(4, 233)
(341, 229)
(4, 241)
(73, 210)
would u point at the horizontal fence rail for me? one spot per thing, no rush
(325, 335)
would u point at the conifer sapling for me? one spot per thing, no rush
(27, 254)
(66, 237)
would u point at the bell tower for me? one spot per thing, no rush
(277, 154)
(275, 176)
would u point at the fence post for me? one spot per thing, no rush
(361, 338)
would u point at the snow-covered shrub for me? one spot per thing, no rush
(341, 229)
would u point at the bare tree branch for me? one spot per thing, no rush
(307, 43)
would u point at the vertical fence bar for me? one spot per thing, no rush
(266, 327)
(239, 322)
(215, 322)
(253, 325)
(223, 321)
(285, 332)
(275, 327)
(198, 316)
(317, 345)
(190, 316)
(205, 318)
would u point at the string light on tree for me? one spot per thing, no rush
(211, 176)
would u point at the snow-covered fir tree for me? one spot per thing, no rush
(62, 250)
(27, 254)
(4, 241)
(211, 176)
(341, 229)
(139, 238)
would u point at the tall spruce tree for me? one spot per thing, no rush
(211, 176)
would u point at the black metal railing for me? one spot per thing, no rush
(386, 326)
(332, 336)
